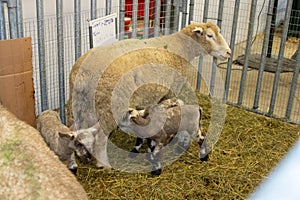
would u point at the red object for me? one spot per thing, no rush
(127, 22)
(140, 13)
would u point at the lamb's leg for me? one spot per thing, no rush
(72, 165)
(200, 138)
(100, 151)
(154, 158)
(138, 144)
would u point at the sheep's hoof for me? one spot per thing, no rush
(156, 172)
(73, 170)
(133, 153)
(205, 158)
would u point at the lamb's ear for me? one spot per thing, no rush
(71, 135)
(141, 121)
(198, 31)
(95, 129)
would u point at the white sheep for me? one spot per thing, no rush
(28, 168)
(159, 123)
(96, 74)
(63, 141)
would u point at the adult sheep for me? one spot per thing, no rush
(28, 168)
(140, 70)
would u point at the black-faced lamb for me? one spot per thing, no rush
(28, 168)
(159, 123)
(63, 141)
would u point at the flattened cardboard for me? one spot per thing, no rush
(16, 78)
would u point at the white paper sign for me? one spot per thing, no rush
(103, 30)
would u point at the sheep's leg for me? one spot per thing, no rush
(138, 144)
(200, 138)
(154, 158)
(184, 141)
(72, 165)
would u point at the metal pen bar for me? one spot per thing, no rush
(77, 31)
(263, 55)
(134, 18)
(19, 19)
(215, 61)
(247, 52)
(293, 86)
(60, 54)
(176, 15)
(41, 49)
(2, 22)
(168, 17)
(184, 13)
(157, 18)
(232, 44)
(108, 7)
(12, 17)
(146, 19)
(191, 12)
(93, 9)
(280, 56)
(121, 19)
(200, 63)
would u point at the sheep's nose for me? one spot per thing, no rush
(228, 53)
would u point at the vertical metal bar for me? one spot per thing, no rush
(146, 19)
(205, 12)
(199, 74)
(2, 22)
(176, 15)
(12, 17)
(167, 17)
(200, 63)
(77, 32)
(60, 54)
(184, 13)
(41, 49)
(121, 19)
(134, 18)
(93, 9)
(272, 29)
(214, 64)
(280, 56)
(108, 7)
(263, 55)
(247, 52)
(191, 12)
(293, 86)
(157, 18)
(232, 42)
(19, 19)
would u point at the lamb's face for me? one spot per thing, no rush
(84, 143)
(209, 36)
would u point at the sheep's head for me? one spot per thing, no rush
(82, 141)
(211, 40)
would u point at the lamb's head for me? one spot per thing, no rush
(82, 141)
(134, 117)
(209, 37)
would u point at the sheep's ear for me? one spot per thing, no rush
(198, 31)
(69, 135)
(94, 129)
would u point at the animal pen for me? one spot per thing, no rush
(261, 75)
(253, 78)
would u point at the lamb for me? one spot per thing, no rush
(184, 120)
(62, 140)
(96, 75)
(28, 168)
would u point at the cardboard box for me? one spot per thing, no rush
(16, 78)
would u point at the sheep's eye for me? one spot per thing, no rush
(210, 36)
